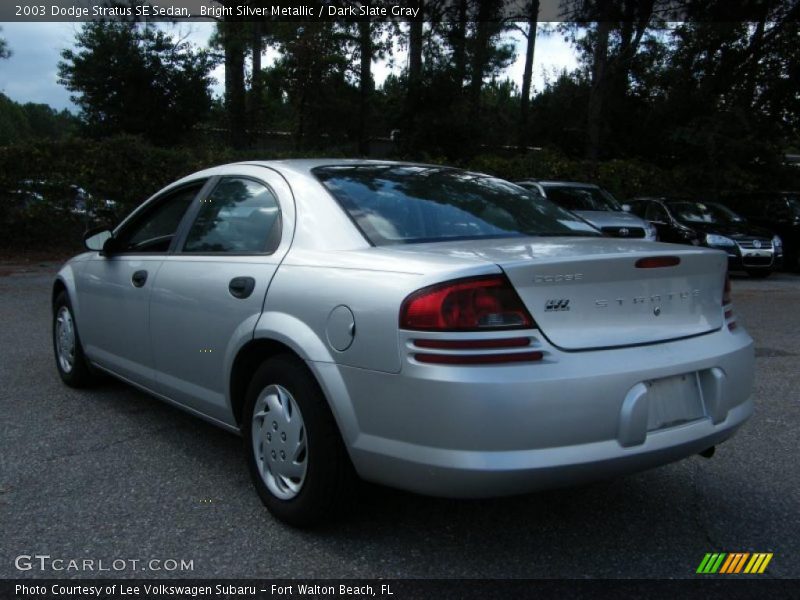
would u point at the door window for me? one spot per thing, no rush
(638, 208)
(154, 229)
(240, 216)
(655, 212)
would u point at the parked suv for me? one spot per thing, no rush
(595, 205)
(778, 212)
(685, 221)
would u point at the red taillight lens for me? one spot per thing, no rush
(475, 304)
(501, 343)
(726, 291)
(478, 359)
(656, 262)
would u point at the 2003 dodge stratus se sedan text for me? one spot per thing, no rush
(428, 328)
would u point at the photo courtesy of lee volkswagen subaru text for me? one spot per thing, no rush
(422, 327)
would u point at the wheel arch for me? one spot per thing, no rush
(247, 360)
(64, 281)
(58, 287)
(252, 354)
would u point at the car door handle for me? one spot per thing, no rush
(241, 287)
(139, 278)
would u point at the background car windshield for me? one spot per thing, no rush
(704, 212)
(582, 198)
(412, 204)
(794, 204)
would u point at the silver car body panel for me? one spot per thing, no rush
(611, 218)
(597, 404)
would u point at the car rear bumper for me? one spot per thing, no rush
(496, 430)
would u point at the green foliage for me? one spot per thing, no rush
(5, 52)
(14, 124)
(627, 178)
(24, 122)
(40, 181)
(37, 182)
(135, 79)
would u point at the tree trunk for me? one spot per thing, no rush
(414, 78)
(414, 59)
(595, 109)
(478, 63)
(484, 29)
(460, 46)
(527, 74)
(256, 87)
(234, 83)
(365, 86)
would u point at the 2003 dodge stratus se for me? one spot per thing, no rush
(424, 327)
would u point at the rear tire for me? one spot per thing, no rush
(72, 365)
(295, 454)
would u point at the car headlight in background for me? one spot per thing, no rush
(713, 239)
(650, 233)
(777, 243)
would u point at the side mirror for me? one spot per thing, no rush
(97, 239)
(626, 208)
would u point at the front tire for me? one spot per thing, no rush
(295, 454)
(73, 368)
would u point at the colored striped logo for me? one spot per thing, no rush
(732, 563)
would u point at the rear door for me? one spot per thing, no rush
(209, 294)
(114, 290)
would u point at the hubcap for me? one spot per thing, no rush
(279, 442)
(65, 339)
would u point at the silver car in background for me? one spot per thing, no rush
(418, 326)
(596, 205)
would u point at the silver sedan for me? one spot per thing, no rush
(419, 326)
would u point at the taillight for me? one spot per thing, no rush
(656, 262)
(728, 315)
(478, 359)
(474, 304)
(493, 344)
(726, 291)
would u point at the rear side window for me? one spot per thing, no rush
(240, 216)
(656, 212)
(638, 208)
(403, 204)
(786, 206)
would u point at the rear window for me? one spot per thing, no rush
(582, 198)
(403, 204)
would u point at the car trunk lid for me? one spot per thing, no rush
(589, 293)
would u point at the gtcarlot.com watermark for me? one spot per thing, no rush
(57, 564)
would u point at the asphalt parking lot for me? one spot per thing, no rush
(113, 474)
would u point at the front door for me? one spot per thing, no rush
(114, 290)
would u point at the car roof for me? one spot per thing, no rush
(306, 165)
(577, 184)
(669, 199)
